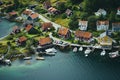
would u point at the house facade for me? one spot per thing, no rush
(83, 25)
(83, 36)
(118, 11)
(102, 25)
(101, 12)
(116, 27)
(64, 32)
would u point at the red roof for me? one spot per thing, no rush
(82, 34)
(46, 25)
(12, 13)
(22, 39)
(44, 41)
(34, 15)
(28, 27)
(63, 31)
(27, 12)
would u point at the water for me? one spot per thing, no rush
(6, 27)
(62, 66)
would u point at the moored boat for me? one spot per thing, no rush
(7, 61)
(75, 49)
(114, 54)
(81, 48)
(87, 51)
(103, 53)
(27, 58)
(40, 58)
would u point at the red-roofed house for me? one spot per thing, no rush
(30, 29)
(45, 42)
(33, 16)
(26, 13)
(12, 14)
(46, 26)
(22, 40)
(64, 32)
(83, 36)
(16, 30)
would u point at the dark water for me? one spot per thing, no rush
(6, 27)
(64, 66)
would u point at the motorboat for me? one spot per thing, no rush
(81, 49)
(50, 53)
(87, 51)
(51, 50)
(103, 53)
(27, 58)
(75, 49)
(7, 61)
(114, 54)
(40, 58)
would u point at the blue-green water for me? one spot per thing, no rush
(62, 66)
(6, 27)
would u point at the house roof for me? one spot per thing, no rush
(34, 15)
(46, 25)
(22, 39)
(83, 34)
(28, 27)
(106, 40)
(116, 24)
(27, 12)
(101, 10)
(83, 22)
(52, 9)
(12, 13)
(102, 22)
(44, 41)
(63, 31)
(68, 11)
(15, 28)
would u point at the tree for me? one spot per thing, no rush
(73, 25)
(62, 7)
(76, 1)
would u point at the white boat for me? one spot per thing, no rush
(51, 50)
(103, 53)
(50, 53)
(27, 58)
(81, 49)
(114, 54)
(75, 49)
(7, 61)
(87, 51)
(40, 58)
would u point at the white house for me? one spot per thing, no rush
(83, 25)
(100, 12)
(102, 25)
(118, 11)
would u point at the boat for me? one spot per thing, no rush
(114, 54)
(40, 58)
(75, 49)
(87, 51)
(27, 58)
(103, 53)
(7, 61)
(50, 53)
(51, 50)
(81, 48)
